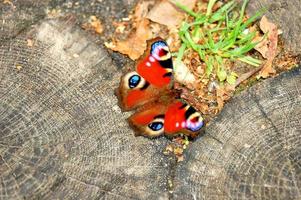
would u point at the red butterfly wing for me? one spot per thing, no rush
(148, 91)
(152, 79)
(157, 67)
(181, 117)
(149, 120)
(170, 117)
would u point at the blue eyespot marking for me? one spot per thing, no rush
(134, 81)
(156, 126)
(195, 126)
(157, 44)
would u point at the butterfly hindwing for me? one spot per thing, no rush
(149, 120)
(148, 91)
(168, 118)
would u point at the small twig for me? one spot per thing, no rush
(246, 75)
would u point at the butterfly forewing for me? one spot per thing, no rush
(148, 91)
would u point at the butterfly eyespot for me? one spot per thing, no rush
(160, 51)
(156, 126)
(195, 122)
(163, 52)
(134, 81)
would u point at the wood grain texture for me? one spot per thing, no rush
(62, 135)
(259, 153)
(285, 14)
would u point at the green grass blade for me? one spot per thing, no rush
(209, 7)
(181, 53)
(251, 61)
(253, 18)
(209, 65)
(184, 8)
(220, 13)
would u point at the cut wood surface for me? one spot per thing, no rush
(62, 135)
(255, 153)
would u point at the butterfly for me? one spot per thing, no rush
(149, 92)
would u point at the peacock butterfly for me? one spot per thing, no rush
(149, 91)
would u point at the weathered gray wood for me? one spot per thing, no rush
(259, 157)
(63, 136)
(19, 17)
(285, 14)
(62, 133)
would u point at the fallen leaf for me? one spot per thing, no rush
(269, 47)
(180, 158)
(136, 44)
(178, 151)
(267, 69)
(223, 93)
(9, 2)
(261, 47)
(141, 10)
(93, 24)
(166, 13)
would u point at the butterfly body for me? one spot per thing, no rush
(148, 91)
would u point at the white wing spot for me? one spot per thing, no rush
(183, 124)
(148, 64)
(152, 59)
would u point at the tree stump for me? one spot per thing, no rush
(252, 149)
(62, 135)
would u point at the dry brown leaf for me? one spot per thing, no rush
(223, 94)
(141, 10)
(166, 13)
(136, 44)
(180, 158)
(261, 47)
(267, 70)
(93, 24)
(268, 48)
(9, 2)
(178, 151)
